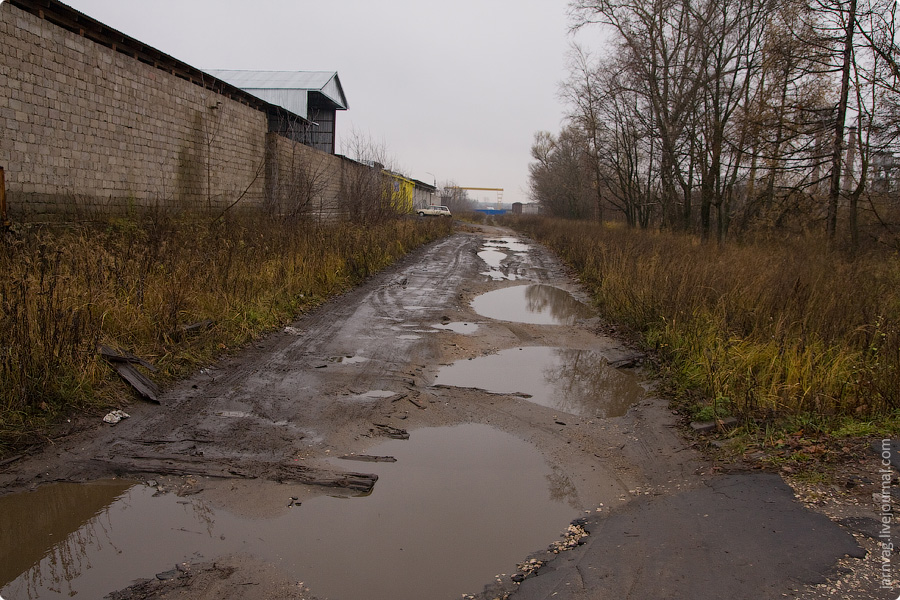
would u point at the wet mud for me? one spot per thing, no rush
(491, 410)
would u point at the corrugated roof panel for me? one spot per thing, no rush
(265, 84)
(295, 101)
(335, 92)
(307, 80)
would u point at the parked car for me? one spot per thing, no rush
(434, 211)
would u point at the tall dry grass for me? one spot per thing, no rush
(764, 328)
(134, 284)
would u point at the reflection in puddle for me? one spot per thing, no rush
(579, 382)
(375, 394)
(352, 360)
(233, 414)
(458, 327)
(512, 244)
(460, 505)
(537, 304)
(56, 526)
(493, 258)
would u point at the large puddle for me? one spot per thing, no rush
(579, 382)
(537, 304)
(461, 505)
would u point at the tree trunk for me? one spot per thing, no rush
(838, 151)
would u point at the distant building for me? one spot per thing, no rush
(423, 194)
(316, 96)
(885, 172)
(400, 192)
(97, 122)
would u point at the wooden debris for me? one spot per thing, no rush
(193, 328)
(628, 362)
(368, 458)
(123, 364)
(716, 425)
(179, 466)
(140, 382)
(392, 432)
(360, 482)
(167, 465)
(10, 460)
(115, 356)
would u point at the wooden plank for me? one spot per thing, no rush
(195, 327)
(112, 355)
(392, 432)
(368, 458)
(140, 382)
(179, 466)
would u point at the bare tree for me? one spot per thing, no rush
(584, 93)
(740, 105)
(366, 189)
(661, 44)
(560, 176)
(454, 197)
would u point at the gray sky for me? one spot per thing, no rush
(453, 88)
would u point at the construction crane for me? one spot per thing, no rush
(483, 189)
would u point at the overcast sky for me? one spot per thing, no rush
(454, 89)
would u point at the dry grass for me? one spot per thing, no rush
(763, 329)
(134, 284)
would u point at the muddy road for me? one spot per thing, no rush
(431, 434)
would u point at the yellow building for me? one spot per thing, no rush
(399, 192)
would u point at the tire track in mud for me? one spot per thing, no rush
(277, 408)
(260, 407)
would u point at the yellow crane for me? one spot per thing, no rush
(482, 189)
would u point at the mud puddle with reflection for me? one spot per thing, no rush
(510, 243)
(493, 258)
(460, 505)
(458, 327)
(536, 304)
(496, 252)
(578, 382)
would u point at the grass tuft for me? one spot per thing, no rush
(763, 329)
(135, 284)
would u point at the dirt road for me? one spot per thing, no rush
(663, 522)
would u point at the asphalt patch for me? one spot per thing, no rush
(740, 536)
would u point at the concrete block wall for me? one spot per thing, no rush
(86, 128)
(302, 181)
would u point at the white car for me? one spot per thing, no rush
(434, 211)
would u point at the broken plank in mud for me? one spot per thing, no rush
(179, 467)
(392, 432)
(199, 326)
(140, 382)
(123, 364)
(166, 465)
(368, 458)
(115, 356)
(361, 482)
